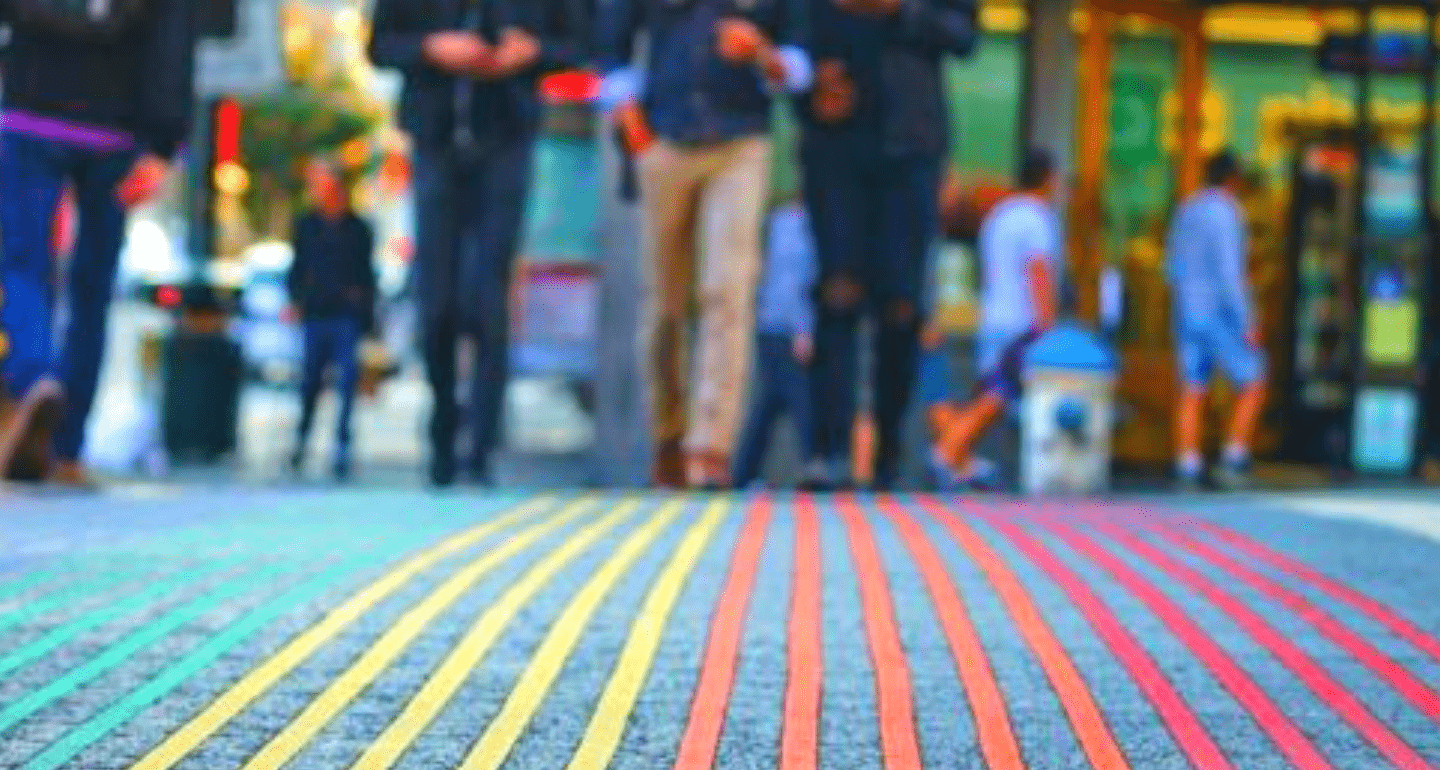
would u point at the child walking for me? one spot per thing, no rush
(785, 342)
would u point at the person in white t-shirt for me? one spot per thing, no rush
(1019, 252)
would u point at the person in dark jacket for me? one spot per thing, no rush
(696, 118)
(332, 285)
(875, 134)
(99, 101)
(471, 107)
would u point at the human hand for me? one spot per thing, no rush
(803, 347)
(833, 99)
(143, 181)
(458, 53)
(634, 129)
(517, 50)
(739, 41)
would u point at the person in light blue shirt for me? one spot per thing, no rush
(785, 341)
(1215, 320)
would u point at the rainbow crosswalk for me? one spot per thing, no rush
(586, 631)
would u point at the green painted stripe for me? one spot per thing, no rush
(62, 597)
(128, 707)
(121, 650)
(55, 637)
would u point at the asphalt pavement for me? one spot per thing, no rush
(168, 625)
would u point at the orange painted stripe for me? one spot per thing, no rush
(987, 705)
(1091, 730)
(893, 694)
(722, 653)
(800, 734)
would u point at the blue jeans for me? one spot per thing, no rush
(330, 342)
(782, 385)
(875, 221)
(32, 175)
(469, 214)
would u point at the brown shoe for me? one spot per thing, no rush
(26, 426)
(71, 474)
(667, 470)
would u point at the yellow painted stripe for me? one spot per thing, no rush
(261, 679)
(499, 738)
(284, 746)
(447, 678)
(602, 737)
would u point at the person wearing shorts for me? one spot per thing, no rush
(1019, 248)
(1216, 325)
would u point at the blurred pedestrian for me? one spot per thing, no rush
(1020, 249)
(785, 343)
(471, 107)
(1216, 322)
(875, 135)
(97, 95)
(333, 287)
(697, 120)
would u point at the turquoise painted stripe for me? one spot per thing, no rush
(55, 637)
(121, 650)
(68, 595)
(131, 705)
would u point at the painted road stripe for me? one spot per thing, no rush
(46, 643)
(1182, 723)
(1088, 724)
(1420, 695)
(800, 733)
(1288, 738)
(328, 704)
(722, 652)
(1330, 692)
(442, 684)
(86, 587)
(549, 658)
(159, 685)
(1334, 589)
(141, 638)
(987, 705)
(894, 697)
(262, 678)
(632, 668)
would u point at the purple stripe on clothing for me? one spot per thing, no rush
(89, 137)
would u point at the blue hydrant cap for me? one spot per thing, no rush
(1071, 346)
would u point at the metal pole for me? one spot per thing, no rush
(1358, 245)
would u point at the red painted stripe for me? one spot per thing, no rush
(1329, 691)
(1288, 738)
(987, 705)
(1179, 719)
(800, 733)
(894, 697)
(1091, 731)
(722, 651)
(1407, 684)
(1332, 588)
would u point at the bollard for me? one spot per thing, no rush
(1067, 415)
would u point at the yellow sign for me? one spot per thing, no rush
(1214, 121)
(1392, 333)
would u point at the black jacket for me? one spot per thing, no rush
(897, 66)
(501, 110)
(333, 272)
(141, 83)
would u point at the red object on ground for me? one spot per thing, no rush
(722, 653)
(800, 731)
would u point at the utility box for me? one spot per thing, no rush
(1067, 414)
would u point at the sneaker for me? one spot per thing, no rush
(26, 427)
(981, 476)
(442, 472)
(1234, 476)
(72, 475)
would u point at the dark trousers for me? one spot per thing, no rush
(469, 212)
(330, 342)
(782, 385)
(874, 223)
(32, 175)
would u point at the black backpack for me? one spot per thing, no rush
(97, 20)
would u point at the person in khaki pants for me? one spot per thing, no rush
(697, 119)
